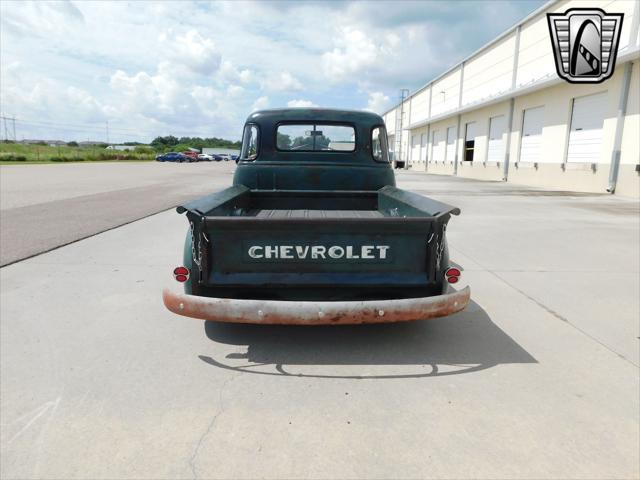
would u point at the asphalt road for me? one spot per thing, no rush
(46, 206)
(538, 378)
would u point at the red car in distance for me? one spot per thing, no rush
(192, 155)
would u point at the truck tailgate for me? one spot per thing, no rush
(294, 250)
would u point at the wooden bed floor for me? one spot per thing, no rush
(290, 213)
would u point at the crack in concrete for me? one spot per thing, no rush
(562, 318)
(550, 310)
(207, 432)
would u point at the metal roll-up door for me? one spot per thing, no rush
(495, 152)
(585, 136)
(415, 149)
(437, 146)
(451, 144)
(530, 147)
(423, 147)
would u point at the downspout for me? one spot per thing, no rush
(617, 142)
(426, 156)
(426, 167)
(455, 166)
(507, 146)
(514, 77)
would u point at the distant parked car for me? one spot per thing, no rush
(192, 155)
(173, 157)
(234, 158)
(225, 156)
(205, 157)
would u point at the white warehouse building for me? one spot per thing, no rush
(504, 114)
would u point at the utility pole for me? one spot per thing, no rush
(6, 134)
(13, 120)
(107, 132)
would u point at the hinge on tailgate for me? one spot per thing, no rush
(196, 250)
(440, 246)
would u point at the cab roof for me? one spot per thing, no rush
(276, 115)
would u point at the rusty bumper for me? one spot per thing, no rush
(315, 313)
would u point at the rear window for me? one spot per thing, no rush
(316, 138)
(379, 147)
(249, 142)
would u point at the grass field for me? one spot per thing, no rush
(17, 153)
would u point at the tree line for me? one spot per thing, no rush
(170, 142)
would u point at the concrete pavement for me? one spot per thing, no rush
(538, 378)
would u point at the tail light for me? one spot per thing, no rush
(453, 274)
(181, 274)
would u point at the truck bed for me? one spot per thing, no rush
(323, 244)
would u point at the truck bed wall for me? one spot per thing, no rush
(389, 201)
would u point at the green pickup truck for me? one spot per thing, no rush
(314, 231)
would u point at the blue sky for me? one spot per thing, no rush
(199, 68)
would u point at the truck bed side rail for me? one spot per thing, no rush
(400, 203)
(219, 203)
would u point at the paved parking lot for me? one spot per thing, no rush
(45, 206)
(538, 378)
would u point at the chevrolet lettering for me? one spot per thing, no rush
(319, 252)
(315, 231)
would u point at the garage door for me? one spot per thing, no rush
(423, 147)
(495, 152)
(585, 136)
(530, 147)
(415, 149)
(437, 146)
(451, 144)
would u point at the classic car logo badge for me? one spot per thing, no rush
(585, 43)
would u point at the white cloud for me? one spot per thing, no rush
(41, 18)
(378, 102)
(191, 49)
(235, 91)
(355, 52)
(283, 82)
(36, 98)
(260, 103)
(301, 103)
(229, 73)
(163, 98)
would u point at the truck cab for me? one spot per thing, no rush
(314, 149)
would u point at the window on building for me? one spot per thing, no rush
(469, 141)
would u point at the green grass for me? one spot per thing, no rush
(16, 153)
